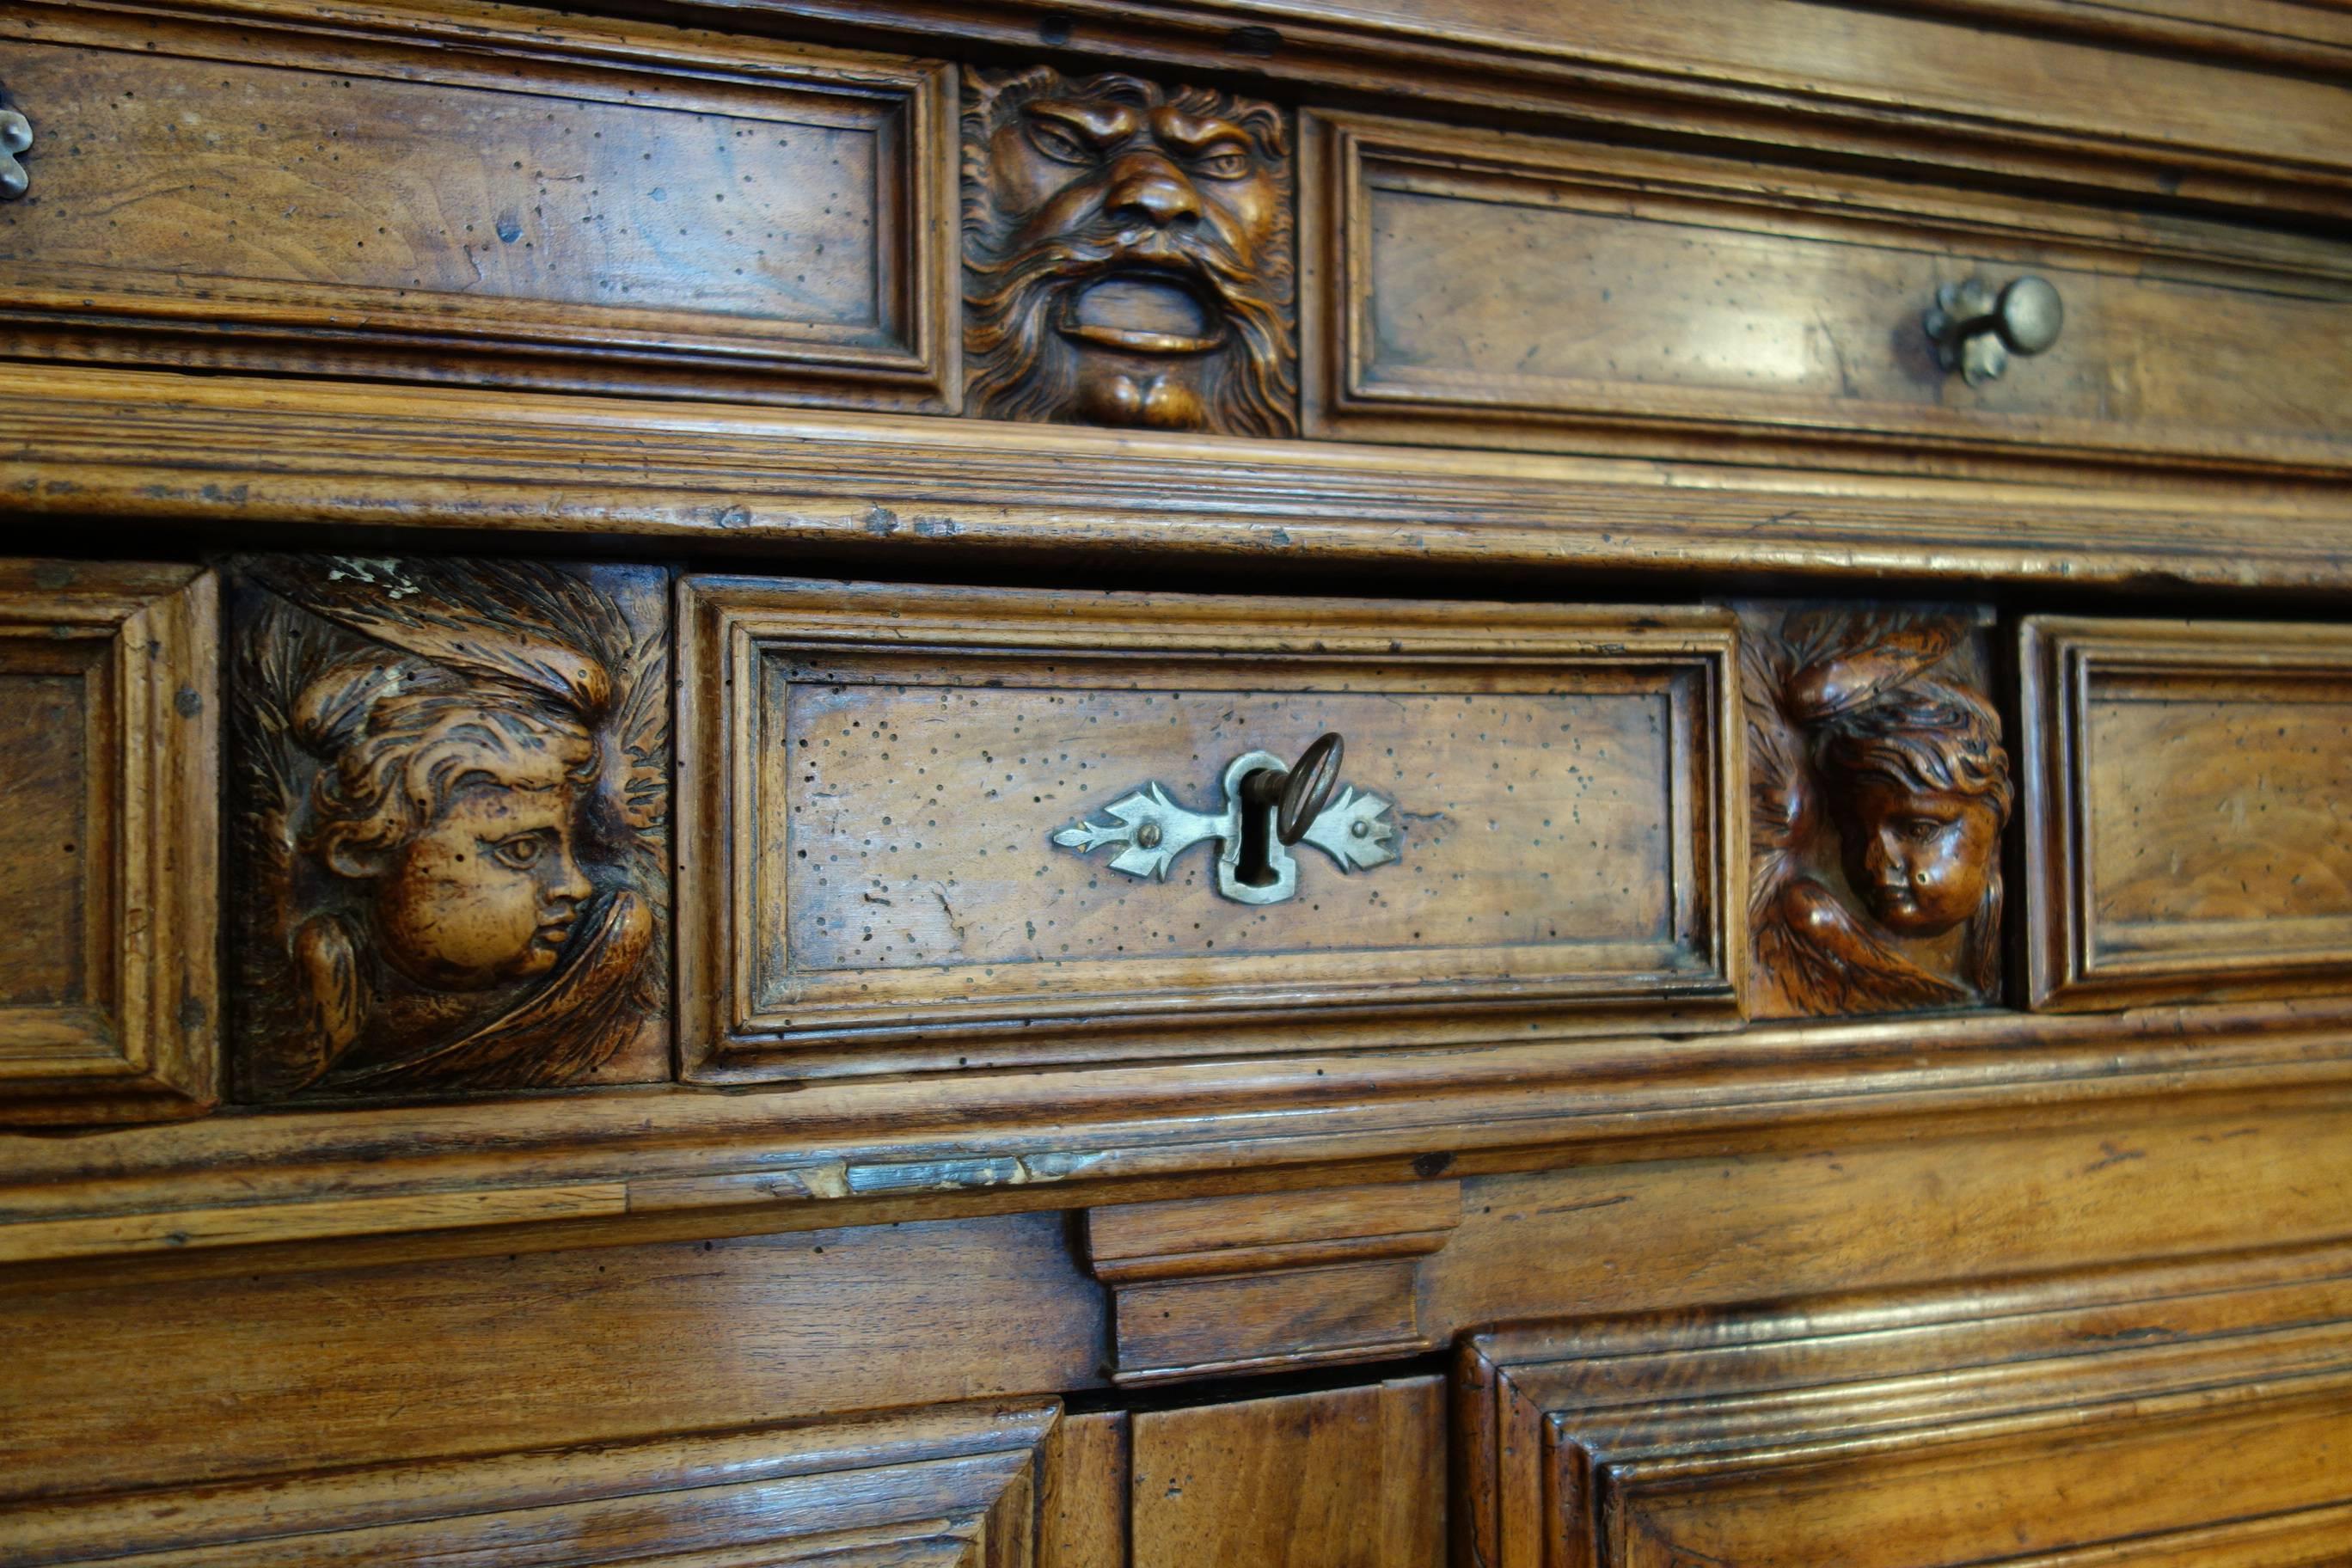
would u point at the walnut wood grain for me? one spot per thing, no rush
(1694, 307)
(110, 725)
(1923, 1427)
(882, 782)
(1350, 1477)
(2186, 784)
(1204, 1286)
(952, 1487)
(463, 194)
(903, 496)
(1997, 91)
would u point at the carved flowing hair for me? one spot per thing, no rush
(400, 739)
(1930, 738)
(1019, 367)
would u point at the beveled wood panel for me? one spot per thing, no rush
(2187, 785)
(109, 719)
(470, 195)
(1480, 288)
(953, 1487)
(2074, 1422)
(1353, 1478)
(916, 811)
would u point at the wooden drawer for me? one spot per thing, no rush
(473, 194)
(110, 721)
(1477, 288)
(2186, 785)
(940, 829)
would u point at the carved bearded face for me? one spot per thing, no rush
(1127, 253)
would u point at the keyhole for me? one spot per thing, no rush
(1251, 868)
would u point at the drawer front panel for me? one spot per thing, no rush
(914, 808)
(633, 210)
(2186, 834)
(1558, 295)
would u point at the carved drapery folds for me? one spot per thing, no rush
(1880, 789)
(1128, 254)
(450, 825)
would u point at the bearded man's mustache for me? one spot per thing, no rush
(1020, 372)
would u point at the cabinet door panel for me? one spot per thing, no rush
(1352, 1479)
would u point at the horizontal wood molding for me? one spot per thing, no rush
(465, 194)
(2185, 806)
(207, 457)
(1920, 1427)
(1206, 1286)
(1049, 1139)
(1996, 89)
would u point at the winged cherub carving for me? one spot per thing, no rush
(454, 790)
(1880, 791)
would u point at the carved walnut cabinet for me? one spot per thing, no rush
(1037, 783)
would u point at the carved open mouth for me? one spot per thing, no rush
(554, 933)
(1144, 313)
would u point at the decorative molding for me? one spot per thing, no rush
(836, 1153)
(1947, 94)
(1128, 254)
(1878, 791)
(945, 1487)
(212, 457)
(1209, 1286)
(451, 821)
(2185, 789)
(1964, 1423)
(110, 1001)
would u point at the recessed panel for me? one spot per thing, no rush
(993, 824)
(2188, 784)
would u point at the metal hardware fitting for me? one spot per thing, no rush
(1976, 331)
(1268, 806)
(16, 137)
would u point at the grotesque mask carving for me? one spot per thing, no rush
(1127, 255)
(450, 841)
(1881, 790)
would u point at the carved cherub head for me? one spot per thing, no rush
(1127, 252)
(456, 811)
(1924, 784)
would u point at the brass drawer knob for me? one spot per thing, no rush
(1975, 330)
(16, 137)
(1268, 807)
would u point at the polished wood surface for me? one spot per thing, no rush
(1489, 290)
(1273, 784)
(1350, 1477)
(2201, 1422)
(467, 195)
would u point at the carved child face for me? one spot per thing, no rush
(488, 891)
(1134, 258)
(1920, 859)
